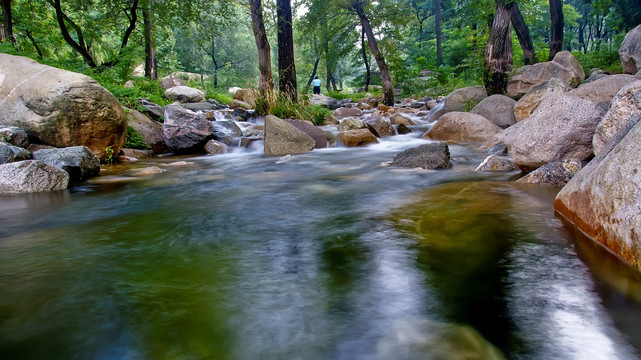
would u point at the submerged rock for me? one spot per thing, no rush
(31, 176)
(427, 156)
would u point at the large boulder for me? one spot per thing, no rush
(557, 173)
(226, 131)
(239, 104)
(630, 51)
(151, 131)
(11, 153)
(14, 135)
(324, 101)
(247, 96)
(461, 126)
(345, 111)
(58, 107)
(185, 94)
(563, 66)
(427, 156)
(625, 105)
(169, 82)
(379, 127)
(530, 101)
(78, 161)
(603, 200)
(462, 99)
(314, 132)
(499, 109)
(31, 176)
(561, 128)
(356, 137)
(186, 131)
(283, 138)
(602, 89)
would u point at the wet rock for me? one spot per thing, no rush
(216, 147)
(403, 129)
(151, 131)
(400, 119)
(148, 171)
(14, 135)
(625, 105)
(226, 131)
(499, 109)
(31, 176)
(185, 94)
(630, 51)
(78, 161)
(60, 108)
(169, 82)
(499, 149)
(530, 101)
(428, 156)
(557, 173)
(351, 124)
(464, 127)
(603, 199)
(417, 104)
(379, 127)
(137, 153)
(564, 66)
(496, 163)
(346, 111)
(356, 137)
(561, 127)
(11, 153)
(185, 131)
(314, 132)
(283, 138)
(242, 114)
(602, 89)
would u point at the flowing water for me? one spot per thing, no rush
(325, 255)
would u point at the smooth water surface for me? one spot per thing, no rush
(325, 255)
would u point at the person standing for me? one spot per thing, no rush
(317, 85)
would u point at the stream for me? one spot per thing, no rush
(326, 255)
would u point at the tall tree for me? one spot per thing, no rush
(556, 31)
(498, 53)
(265, 83)
(151, 63)
(439, 50)
(286, 66)
(523, 34)
(358, 6)
(7, 23)
(368, 72)
(79, 46)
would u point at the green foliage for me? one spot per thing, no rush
(109, 159)
(135, 140)
(286, 109)
(355, 96)
(606, 59)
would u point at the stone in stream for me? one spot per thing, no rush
(356, 137)
(427, 156)
(462, 126)
(530, 101)
(379, 127)
(186, 131)
(226, 131)
(283, 138)
(11, 153)
(78, 161)
(556, 173)
(499, 109)
(495, 163)
(314, 132)
(31, 176)
(151, 131)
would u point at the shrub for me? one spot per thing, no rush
(135, 140)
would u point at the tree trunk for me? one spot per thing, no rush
(151, 67)
(498, 54)
(266, 83)
(388, 88)
(523, 33)
(556, 33)
(286, 65)
(311, 78)
(33, 42)
(79, 46)
(368, 72)
(439, 51)
(133, 20)
(7, 24)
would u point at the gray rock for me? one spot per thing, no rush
(499, 109)
(602, 89)
(58, 107)
(226, 131)
(603, 200)
(557, 173)
(630, 51)
(459, 100)
(242, 114)
(564, 66)
(31, 176)
(185, 94)
(185, 131)
(495, 163)
(403, 129)
(201, 106)
(625, 105)
(462, 127)
(561, 128)
(530, 101)
(314, 132)
(11, 153)
(499, 149)
(324, 101)
(78, 161)
(379, 127)
(169, 82)
(137, 153)
(283, 138)
(346, 111)
(216, 147)
(154, 111)
(14, 135)
(151, 131)
(428, 156)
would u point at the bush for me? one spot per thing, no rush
(135, 140)
(286, 109)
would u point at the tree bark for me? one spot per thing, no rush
(388, 88)
(266, 83)
(133, 19)
(439, 50)
(498, 53)
(311, 78)
(556, 33)
(286, 65)
(368, 72)
(151, 65)
(523, 33)
(78, 46)
(7, 24)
